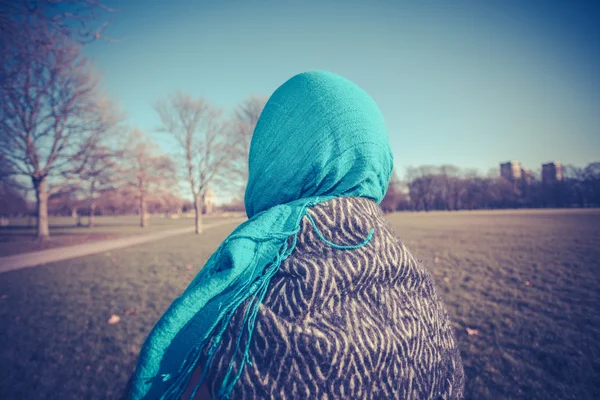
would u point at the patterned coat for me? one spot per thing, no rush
(346, 324)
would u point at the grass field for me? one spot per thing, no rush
(528, 282)
(19, 237)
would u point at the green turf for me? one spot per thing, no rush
(536, 341)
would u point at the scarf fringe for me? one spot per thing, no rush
(256, 292)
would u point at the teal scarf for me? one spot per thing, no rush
(319, 137)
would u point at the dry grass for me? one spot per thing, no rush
(529, 282)
(535, 341)
(19, 237)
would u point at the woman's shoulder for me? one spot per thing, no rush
(352, 222)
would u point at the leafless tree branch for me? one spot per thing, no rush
(198, 129)
(50, 114)
(146, 172)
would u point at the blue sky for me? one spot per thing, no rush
(466, 83)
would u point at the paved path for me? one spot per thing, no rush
(36, 258)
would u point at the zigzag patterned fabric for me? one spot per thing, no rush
(365, 323)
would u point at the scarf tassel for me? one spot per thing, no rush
(256, 292)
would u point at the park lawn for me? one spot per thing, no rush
(19, 236)
(529, 283)
(526, 281)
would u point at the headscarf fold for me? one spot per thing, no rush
(319, 136)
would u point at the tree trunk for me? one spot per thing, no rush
(92, 212)
(143, 216)
(197, 215)
(41, 196)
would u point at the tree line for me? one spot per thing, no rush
(68, 143)
(446, 187)
(65, 141)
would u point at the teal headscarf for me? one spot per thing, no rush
(319, 137)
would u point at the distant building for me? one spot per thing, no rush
(511, 171)
(527, 176)
(209, 201)
(552, 172)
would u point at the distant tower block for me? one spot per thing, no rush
(527, 176)
(511, 170)
(552, 172)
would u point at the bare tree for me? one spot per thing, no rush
(244, 121)
(66, 202)
(199, 131)
(422, 186)
(102, 173)
(171, 205)
(448, 188)
(12, 201)
(50, 115)
(147, 173)
(394, 198)
(75, 19)
(591, 179)
(117, 202)
(100, 170)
